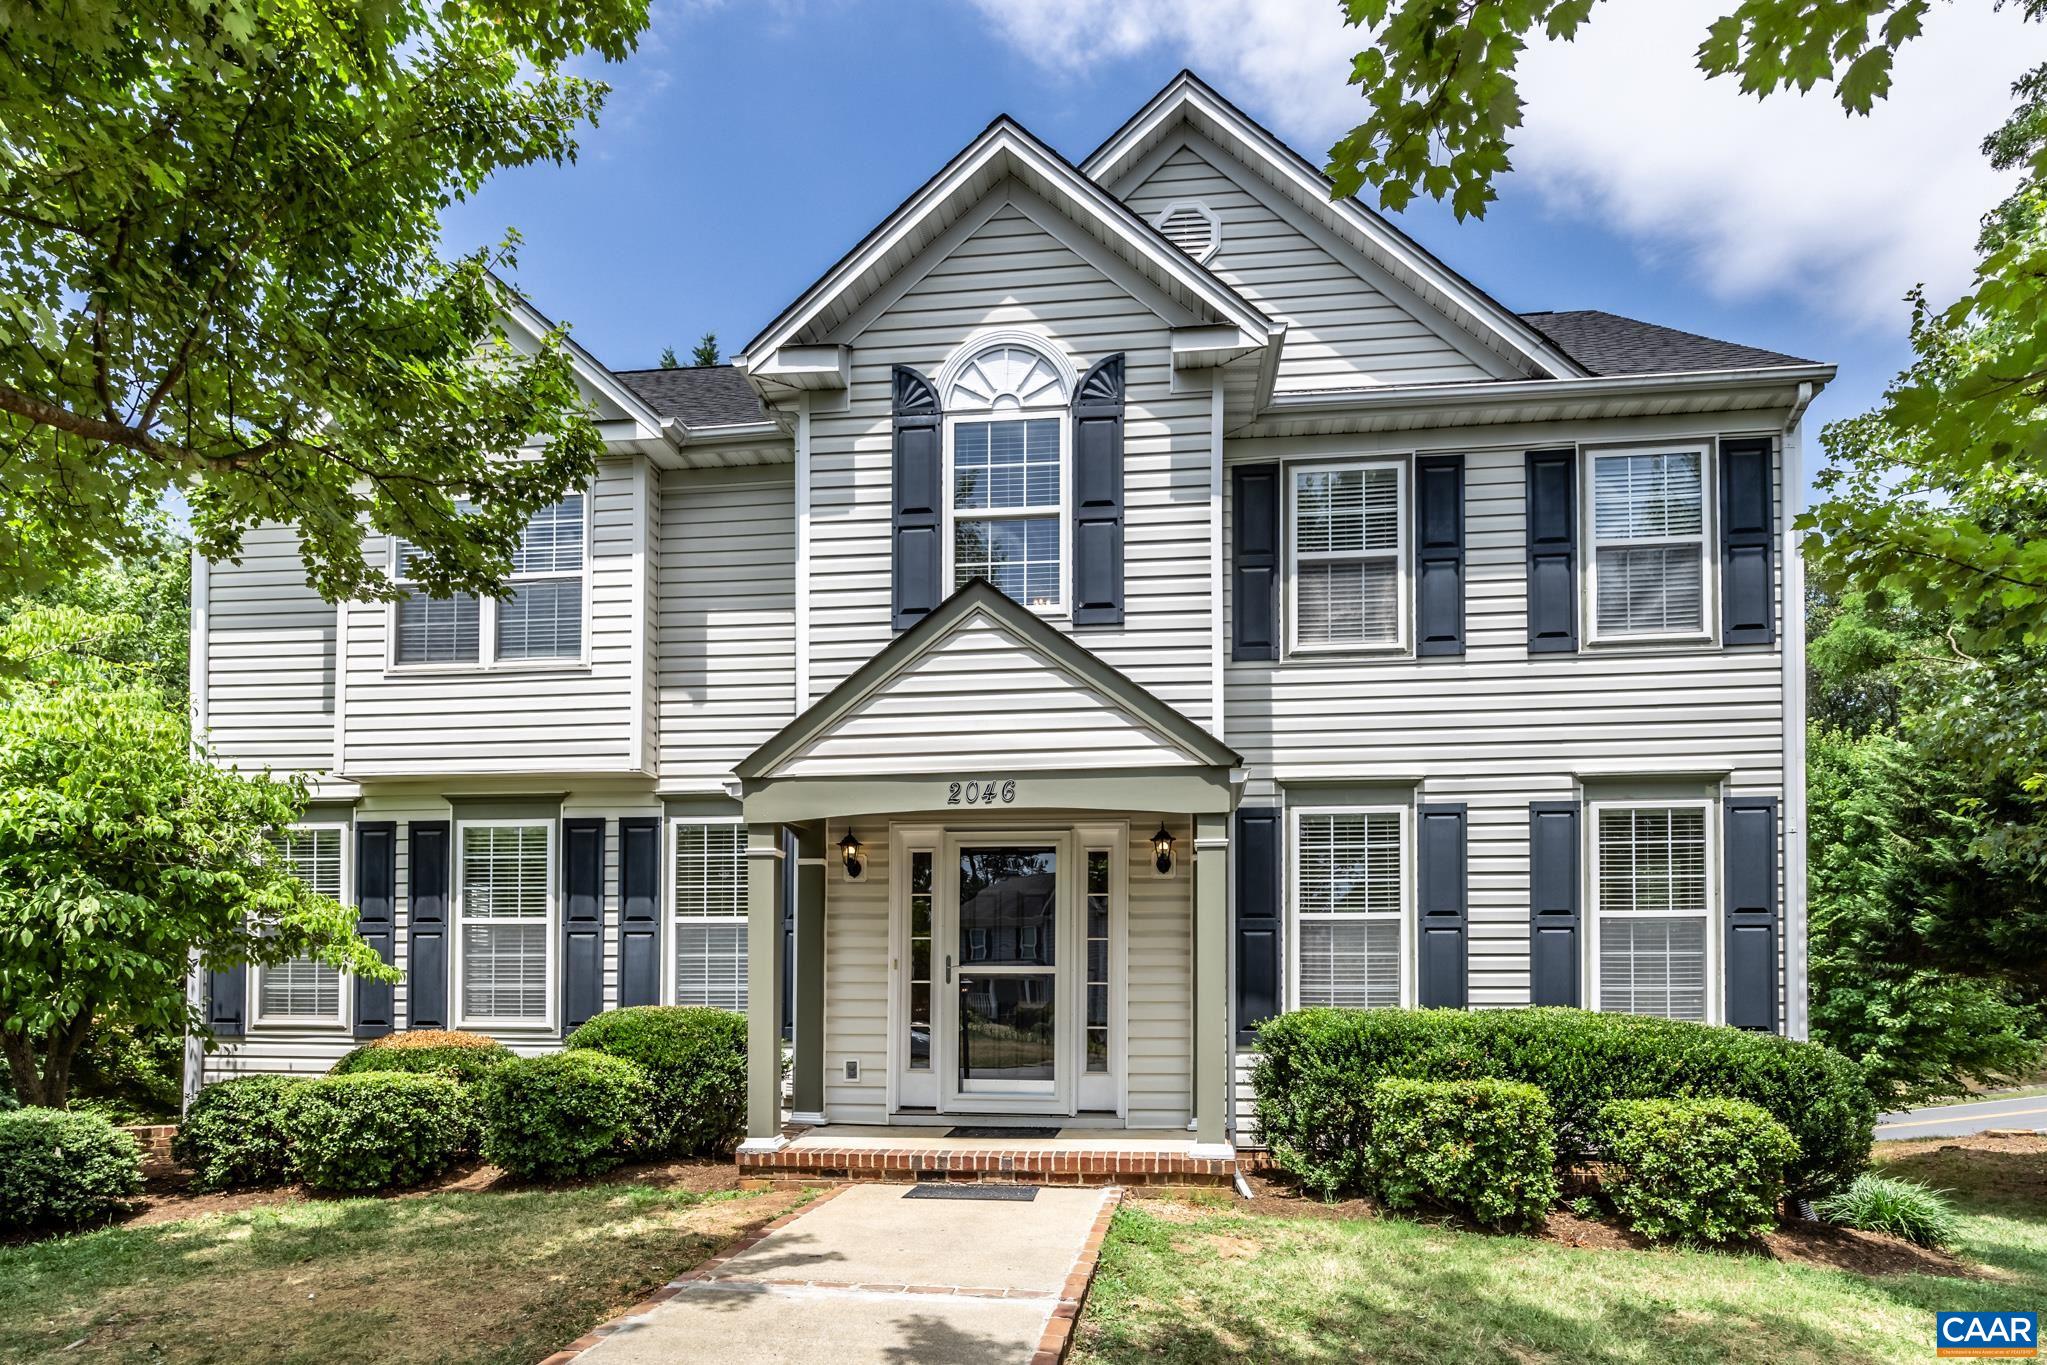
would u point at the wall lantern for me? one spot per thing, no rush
(1162, 850)
(850, 852)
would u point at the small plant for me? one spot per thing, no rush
(376, 1131)
(234, 1133)
(1586, 1207)
(1899, 1208)
(564, 1114)
(63, 1170)
(1482, 1146)
(1695, 1170)
(695, 1059)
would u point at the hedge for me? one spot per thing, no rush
(233, 1134)
(64, 1170)
(564, 1114)
(695, 1059)
(376, 1131)
(1313, 1082)
(1694, 1170)
(468, 1057)
(1484, 1147)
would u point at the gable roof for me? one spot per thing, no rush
(1002, 150)
(1609, 344)
(1187, 98)
(979, 602)
(698, 395)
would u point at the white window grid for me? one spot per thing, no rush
(707, 910)
(304, 990)
(1013, 384)
(506, 909)
(550, 566)
(1654, 898)
(1649, 512)
(1351, 898)
(1335, 540)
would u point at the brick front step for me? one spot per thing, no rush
(1008, 1166)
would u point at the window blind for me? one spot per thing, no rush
(303, 988)
(1348, 884)
(710, 915)
(1649, 557)
(1347, 547)
(1653, 909)
(505, 879)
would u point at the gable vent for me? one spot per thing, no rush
(1191, 226)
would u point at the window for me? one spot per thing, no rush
(1349, 908)
(920, 959)
(1349, 560)
(1654, 909)
(1649, 543)
(303, 990)
(541, 618)
(1006, 411)
(506, 906)
(710, 915)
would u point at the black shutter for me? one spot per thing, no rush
(376, 898)
(227, 996)
(1439, 554)
(639, 906)
(1254, 561)
(1553, 903)
(426, 925)
(582, 920)
(1257, 922)
(915, 473)
(1751, 880)
(1747, 558)
(1444, 903)
(1098, 495)
(1552, 551)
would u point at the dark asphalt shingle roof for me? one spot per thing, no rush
(1606, 343)
(697, 395)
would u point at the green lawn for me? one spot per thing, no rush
(449, 1276)
(1184, 1282)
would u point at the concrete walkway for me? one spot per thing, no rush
(870, 1275)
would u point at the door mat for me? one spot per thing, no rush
(1009, 1194)
(996, 1130)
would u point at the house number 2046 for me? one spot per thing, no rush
(981, 793)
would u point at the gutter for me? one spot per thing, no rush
(1806, 393)
(1809, 378)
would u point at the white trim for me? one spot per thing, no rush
(1704, 538)
(1790, 599)
(904, 841)
(1594, 916)
(1294, 815)
(644, 613)
(1218, 626)
(458, 920)
(198, 665)
(971, 350)
(802, 573)
(1114, 839)
(1404, 572)
(341, 1019)
(670, 886)
(487, 660)
(343, 612)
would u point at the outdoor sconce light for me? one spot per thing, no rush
(1162, 850)
(855, 860)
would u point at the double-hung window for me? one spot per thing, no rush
(303, 990)
(1349, 547)
(1006, 415)
(1649, 571)
(539, 619)
(710, 915)
(1350, 908)
(505, 905)
(1653, 897)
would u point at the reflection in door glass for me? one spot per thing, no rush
(1006, 906)
(1006, 1027)
(1097, 960)
(920, 960)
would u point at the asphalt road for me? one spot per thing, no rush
(1955, 1120)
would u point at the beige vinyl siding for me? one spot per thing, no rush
(1012, 272)
(549, 717)
(856, 975)
(1159, 987)
(727, 610)
(651, 597)
(1342, 329)
(269, 659)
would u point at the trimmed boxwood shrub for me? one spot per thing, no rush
(564, 1114)
(1694, 1170)
(1480, 1146)
(376, 1131)
(233, 1134)
(695, 1059)
(63, 1170)
(1314, 1080)
(468, 1057)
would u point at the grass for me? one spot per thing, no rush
(448, 1276)
(1199, 1283)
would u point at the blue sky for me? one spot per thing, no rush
(747, 146)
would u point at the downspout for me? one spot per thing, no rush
(1797, 988)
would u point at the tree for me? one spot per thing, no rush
(123, 852)
(668, 360)
(140, 605)
(705, 352)
(219, 252)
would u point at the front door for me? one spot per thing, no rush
(1008, 1004)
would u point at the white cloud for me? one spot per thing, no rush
(1786, 194)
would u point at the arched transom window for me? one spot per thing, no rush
(1005, 408)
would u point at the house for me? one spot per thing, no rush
(1117, 602)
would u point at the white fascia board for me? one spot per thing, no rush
(518, 313)
(801, 367)
(1197, 348)
(1481, 393)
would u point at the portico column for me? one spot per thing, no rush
(1211, 981)
(763, 980)
(807, 1084)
